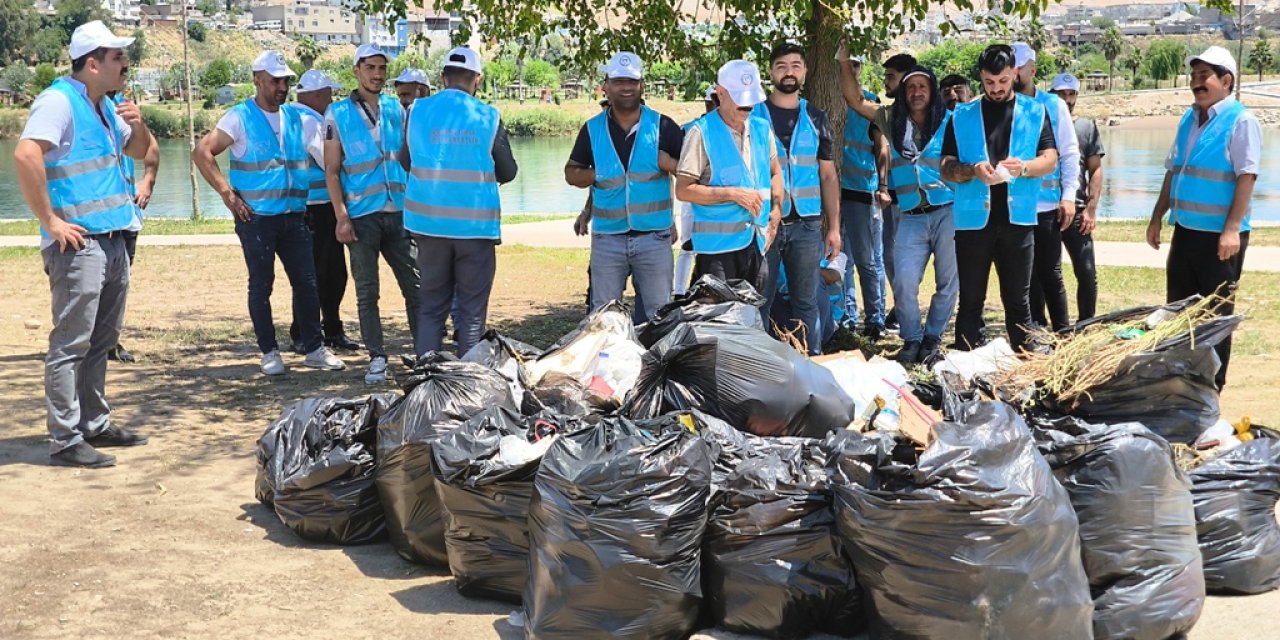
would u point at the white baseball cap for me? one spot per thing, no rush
(91, 36)
(409, 76)
(370, 51)
(273, 63)
(742, 80)
(1065, 82)
(1022, 54)
(1218, 57)
(464, 58)
(710, 94)
(623, 64)
(315, 80)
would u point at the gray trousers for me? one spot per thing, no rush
(457, 276)
(88, 290)
(382, 234)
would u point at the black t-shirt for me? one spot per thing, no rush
(670, 139)
(997, 120)
(784, 125)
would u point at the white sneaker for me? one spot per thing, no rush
(273, 364)
(323, 358)
(377, 371)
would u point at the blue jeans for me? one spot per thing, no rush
(382, 234)
(861, 228)
(798, 248)
(263, 238)
(646, 257)
(918, 237)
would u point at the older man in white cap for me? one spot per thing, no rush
(1056, 206)
(1078, 238)
(626, 155)
(457, 153)
(729, 172)
(68, 167)
(1208, 184)
(410, 85)
(267, 194)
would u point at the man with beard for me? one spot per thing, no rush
(1208, 183)
(68, 167)
(267, 195)
(956, 90)
(997, 150)
(729, 172)
(1078, 238)
(810, 229)
(912, 128)
(684, 258)
(626, 155)
(410, 85)
(363, 136)
(1056, 208)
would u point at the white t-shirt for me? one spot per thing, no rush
(233, 126)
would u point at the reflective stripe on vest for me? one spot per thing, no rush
(973, 198)
(858, 166)
(87, 186)
(727, 227)
(371, 171)
(271, 180)
(921, 176)
(800, 180)
(1051, 185)
(1204, 182)
(637, 198)
(453, 192)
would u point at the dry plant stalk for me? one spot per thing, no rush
(796, 338)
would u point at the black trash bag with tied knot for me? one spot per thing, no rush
(710, 299)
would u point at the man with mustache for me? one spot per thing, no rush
(410, 85)
(1208, 183)
(956, 90)
(68, 167)
(810, 229)
(267, 195)
(363, 137)
(998, 150)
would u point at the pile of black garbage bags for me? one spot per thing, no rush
(694, 473)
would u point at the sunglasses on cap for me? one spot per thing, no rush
(999, 55)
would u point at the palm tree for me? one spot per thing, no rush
(1134, 62)
(1261, 57)
(1112, 45)
(308, 50)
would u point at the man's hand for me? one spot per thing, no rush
(883, 198)
(237, 207)
(1066, 214)
(749, 199)
(834, 243)
(143, 198)
(66, 234)
(1015, 166)
(1228, 245)
(986, 173)
(1088, 220)
(346, 232)
(770, 232)
(582, 225)
(130, 113)
(1153, 234)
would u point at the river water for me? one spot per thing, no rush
(1134, 169)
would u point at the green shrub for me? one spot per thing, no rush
(541, 122)
(12, 122)
(171, 123)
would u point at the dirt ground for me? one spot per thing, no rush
(171, 543)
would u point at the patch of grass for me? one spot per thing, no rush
(18, 252)
(176, 227)
(1136, 231)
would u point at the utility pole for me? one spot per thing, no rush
(191, 122)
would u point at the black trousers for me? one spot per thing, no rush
(1194, 268)
(746, 263)
(1010, 248)
(130, 244)
(331, 269)
(1047, 287)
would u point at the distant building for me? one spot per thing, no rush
(328, 21)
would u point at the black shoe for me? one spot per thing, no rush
(117, 437)
(929, 350)
(82, 454)
(910, 353)
(891, 320)
(342, 343)
(119, 354)
(873, 332)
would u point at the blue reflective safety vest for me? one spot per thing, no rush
(1204, 182)
(800, 181)
(637, 198)
(317, 189)
(371, 172)
(912, 178)
(271, 180)
(858, 167)
(453, 191)
(973, 198)
(87, 186)
(727, 227)
(1051, 185)
(126, 163)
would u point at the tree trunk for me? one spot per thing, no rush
(822, 86)
(1111, 76)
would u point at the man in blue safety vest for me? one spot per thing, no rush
(68, 167)
(810, 230)
(140, 190)
(457, 153)
(626, 155)
(997, 150)
(1208, 184)
(267, 195)
(730, 174)
(363, 137)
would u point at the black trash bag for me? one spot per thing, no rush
(710, 299)
(316, 468)
(562, 395)
(615, 531)
(741, 376)
(484, 478)
(445, 393)
(975, 539)
(507, 356)
(772, 562)
(1137, 526)
(1235, 500)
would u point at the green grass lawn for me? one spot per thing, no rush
(170, 227)
(1136, 231)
